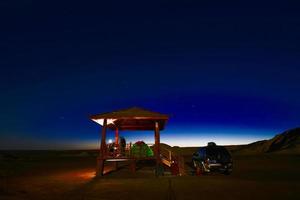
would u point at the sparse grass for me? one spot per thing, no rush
(53, 176)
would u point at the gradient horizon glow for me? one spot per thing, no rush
(228, 73)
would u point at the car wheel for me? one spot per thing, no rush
(227, 172)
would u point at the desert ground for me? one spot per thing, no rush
(71, 175)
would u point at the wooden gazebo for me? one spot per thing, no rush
(128, 119)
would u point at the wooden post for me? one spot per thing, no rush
(116, 149)
(130, 144)
(157, 142)
(116, 146)
(133, 165)
(159, 168)
(101, 159)
(181, 166)
(117, 138)
(115, 165)
(103, 139)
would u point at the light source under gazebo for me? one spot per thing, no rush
(129, 119)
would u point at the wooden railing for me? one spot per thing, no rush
(172, 160)
(166, 156)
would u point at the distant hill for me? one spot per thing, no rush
(287, 142)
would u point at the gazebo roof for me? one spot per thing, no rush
(131, 119)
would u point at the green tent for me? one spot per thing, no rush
(141, 149)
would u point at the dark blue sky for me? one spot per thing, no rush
(228, 72)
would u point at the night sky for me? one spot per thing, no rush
(224, 72)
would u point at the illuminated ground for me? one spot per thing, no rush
(254, 177)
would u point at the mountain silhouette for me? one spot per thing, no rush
(286, 142)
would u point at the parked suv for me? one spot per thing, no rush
(212, 158)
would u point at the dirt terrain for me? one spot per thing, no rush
(70, 175)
